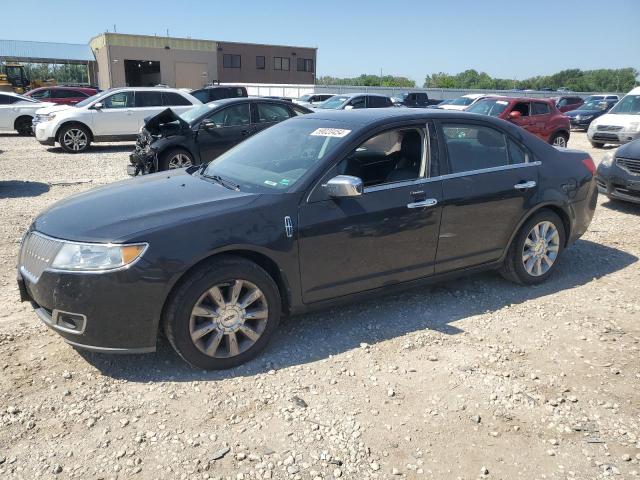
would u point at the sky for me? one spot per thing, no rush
(413, 38)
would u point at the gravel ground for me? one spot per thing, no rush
(474, 378)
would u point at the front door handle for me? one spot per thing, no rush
(429, 202)
(525, 185)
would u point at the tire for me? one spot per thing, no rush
(597, 144)
(74, 138)
(23, 126)
(559, 139)
(514, 268)
(184, 328)
(175, 158)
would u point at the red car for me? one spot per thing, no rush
(537, 115)
(568, 103)
(62, 95)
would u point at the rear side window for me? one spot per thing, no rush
(119, 100)
(298, 111)
(269, 113)
(474, 147)
(378, 102)
(69, 94)
(148, 99)
(5, 99)
(539, 108)
(41, 94)
(174, 99)
(517, 154)
(232, 116)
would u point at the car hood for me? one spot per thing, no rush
(124, 210)
(152, 123)
(629, 150)
(617, 119)
(24, 105)
(48, 108)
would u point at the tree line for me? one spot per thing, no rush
(604, 79)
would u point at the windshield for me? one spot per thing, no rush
(488, 107)
(27, 99)
(593, 98)
(629, 105)
(462, 101)
(400, 96)
(276, 158)
(334, 102)
(592, 105)
(304, 98)
(87, 101)
(196, 112)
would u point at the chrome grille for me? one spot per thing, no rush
(37, 254)
(609, 128)
(630, 165)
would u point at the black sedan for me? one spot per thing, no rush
(618, 174)
(316, 210)
(582, 117)
(169, 141)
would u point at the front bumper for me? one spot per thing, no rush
(613, 186)
(580, 123)
(141, 162)
(44, 134)
(614, 138)
(114, 312)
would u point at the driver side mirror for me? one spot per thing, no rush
(349, 107)
(343, 186)
(208, 125)
(515, 115)
(98, 106)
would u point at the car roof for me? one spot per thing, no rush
(143, 89)
(210, 87)
(517, 99)
(351, 95)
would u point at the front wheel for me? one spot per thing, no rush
(175, 158)
(559, 140)
(534, 253)
(74, 138)
(223, 314)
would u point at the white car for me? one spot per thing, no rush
(17, 112)
(313, 99)
(111, 116)
(463, 102)
(619, 125)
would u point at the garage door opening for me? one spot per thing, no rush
(141, 73)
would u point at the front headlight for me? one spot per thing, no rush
(634, 127)
(607, 159)
(586, 117)
(94, 257)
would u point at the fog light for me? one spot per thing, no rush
(69, 322)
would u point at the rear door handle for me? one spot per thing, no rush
(525, 185)
(429, 202)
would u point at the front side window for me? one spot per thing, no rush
(474, 147)
(269, 113)
(334, 102)
(260, 63)
(231, 61)
(358, 102)
(522, 107)
(119, 100)
(392, 156)
(42, 94)
(280, 63)
(539, 108)
(234, 116)
(148, 99)
(170, 99)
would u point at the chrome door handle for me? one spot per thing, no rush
(525, 185)
(429, 202)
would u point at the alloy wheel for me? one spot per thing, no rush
(75, 139)
(179, 160)
(541, 248)
(228, 319)
(560, 141)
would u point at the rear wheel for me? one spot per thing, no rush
(74, 138)
(535, 251)
(175, 158)
(223, 314)
(559, 140)
(23, 125)
(597, 144)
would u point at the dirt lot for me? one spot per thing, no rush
(475, 378)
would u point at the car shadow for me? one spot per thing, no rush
(623, 207)
(125, 147)
(20, 188)
(440, 307)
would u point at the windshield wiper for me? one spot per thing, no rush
(222, 181)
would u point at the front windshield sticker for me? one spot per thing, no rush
(330, 132)
(270, 183)
(502, 102)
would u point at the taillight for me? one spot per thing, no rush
(588, 163)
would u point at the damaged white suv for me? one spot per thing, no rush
(111, 116)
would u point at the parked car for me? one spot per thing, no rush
(199, 135)
(619, 125)
(318, 209)
(463, 102)
(275, 97)
(568, 103)
(606, 97)
(218, 92)
(536, 115)
(414, 100)
(17, 112)
(313, 99)
(618, 174)
(62, 95)
(110, 116)
(441, 103)
(589, 111)
(355, 101)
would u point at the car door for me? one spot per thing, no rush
(116, 116)
(7, 112)
(267, 114)
(540, 120)
(387, 235)
(223, 129)
(491, 184)
(524, 121)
